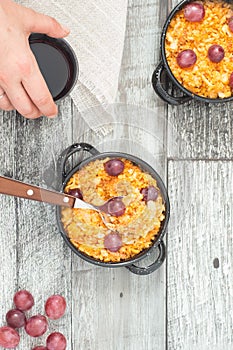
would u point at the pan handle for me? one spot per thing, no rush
(160, 90)
(153, 267)
(68, 152)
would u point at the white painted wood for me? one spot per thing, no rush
(200, 296)
(8, 220)
(43, 261)
(201, 130)
(106, 308)
(113, 308)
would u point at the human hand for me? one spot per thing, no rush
(22, 86)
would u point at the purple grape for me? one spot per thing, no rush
(149, 193)
(216, 53)
(56, 341)
(75, 192)
(231, 80)
(23, 300)
(116, 207)
(36, 326)
(230, 23)
(186, 58)
(9, 338)
(113, 242)
(114, 167)
(55, 307)
(15, 318)
(194, 12)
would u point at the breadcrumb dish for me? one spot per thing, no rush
(134, 230)
(207, 76)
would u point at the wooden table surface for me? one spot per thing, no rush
(188, 303)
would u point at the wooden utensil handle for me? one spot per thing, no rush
(20, 189)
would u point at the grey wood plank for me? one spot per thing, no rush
(203, 130)
(200, 307)
(141, 53)
(113, 308)
(109, 307)
(8, 221)
(43, 260)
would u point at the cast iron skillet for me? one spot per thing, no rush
(163, 68)
(158, 241)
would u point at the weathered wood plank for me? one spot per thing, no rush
(8, 221)
(43, 260)
(200, 303)
(141, 53)
(113, 308)
(203, 130)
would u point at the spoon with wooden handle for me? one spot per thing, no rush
(23, 190)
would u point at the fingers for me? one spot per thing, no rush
(28, 91)
(21, 101)
(5, 103)
(39, 23)
(37, 89)
(23, 86)
(40, 95)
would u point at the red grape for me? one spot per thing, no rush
(23, 300)
(56, 341)
(76, 192)
(9, 338)
(216, 53)
(40, 347)
(15, 318)
(36, 325)
(149, 193)
(186, 58)
(194, 12)
(114, 167)
(116, 207)
(113, 242)
(55, 307)
(231, 80)
(230, 23)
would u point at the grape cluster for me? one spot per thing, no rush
(34, 326)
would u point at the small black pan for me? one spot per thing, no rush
(158, 240)
(162, 71)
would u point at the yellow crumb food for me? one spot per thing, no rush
(137, 227)
(205, 78)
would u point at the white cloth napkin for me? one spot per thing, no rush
(97, 37)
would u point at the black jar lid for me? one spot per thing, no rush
(57, 62)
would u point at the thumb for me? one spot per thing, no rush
(38, 23)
